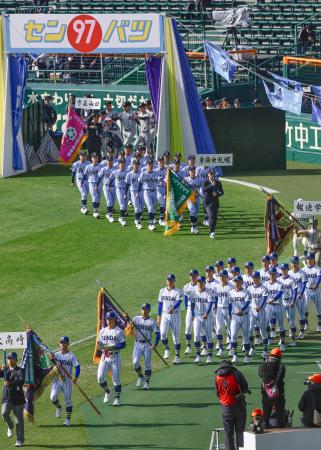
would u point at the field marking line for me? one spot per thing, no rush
(250, 185)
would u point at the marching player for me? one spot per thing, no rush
(239, 316)
(274, 262)
(312, 239)
(258, 296)
(188, 290)
(108, 188)
(300, 280)
(193, 207)
(77, 172)
(68, 361)
(211, 285)
(190, 164)
(126, 118)
(264, 272)
(231, 263)
(201, 305)
(312, 291)
(161, 172)
(143, 118)
(144, 327)
(118, 177)
(222, 308)
(219, 266)
(274, 308)
(148, 179)
(111, 340)
(247, 277)
(304, 222)
(136, 193)
(289, 297)
(91, 175)
(169, 315)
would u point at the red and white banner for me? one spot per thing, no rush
(73, 137)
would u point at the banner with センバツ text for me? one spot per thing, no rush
(84, 33)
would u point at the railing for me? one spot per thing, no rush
(308, 19)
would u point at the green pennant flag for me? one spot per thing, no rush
(178, 193)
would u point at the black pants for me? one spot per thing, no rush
(279, 404)
(234, 420)
(212, 212)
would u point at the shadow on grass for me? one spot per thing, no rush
(112, 446)
(121, 425)
(175, 405)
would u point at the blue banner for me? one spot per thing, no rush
(18, 77)
(220, 61)
(316, 90)
(316, 113)
(286, 82)
(285, 99)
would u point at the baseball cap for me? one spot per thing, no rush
(315, 378)
(166, 154)
(110, 315)
(12, 355)
(191, 157)
(145, 306)
(160, 158)
(193, 272)
(272, 270)
(120, 161)
(209, 269)
(295, 259)
(64, 340)
(273, 255)
(109, 158)
(256, 274)
(178, 155)
(249, 264)
(94, 155)
(284, 266)
(219, 263)
(149, 161)
(231, 260)
(191, 168)
(82, 153)
(171, 276)
(211, 170)
(236, 269)
(223, 273)
(257, 412)
(265, 258)
(238, 278)
(142, 105)
(310, 256)
(127, 104)
(201, 279)
(136, 161)
(176, 161)
(276, 352)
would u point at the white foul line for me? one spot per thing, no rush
(250, 185)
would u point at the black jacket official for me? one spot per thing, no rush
(14, 391)
(306, 404)
(212, 188)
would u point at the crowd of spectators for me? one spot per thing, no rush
(225, 103)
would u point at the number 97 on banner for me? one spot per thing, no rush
(84, 33)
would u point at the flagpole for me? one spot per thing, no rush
(125, 312)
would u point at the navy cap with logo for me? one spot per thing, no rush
(209, 269)
(219, 263)
(64, 340)
(171, 276)
(160, 158)
(166, 154)
(284, 266)
(110, 315)
(145, 306)
(12, 355)
(249, 264)
(191, 157)
(273, 255)
(265, 258)
(238, 278)
(109, 158)
(273, 270)
(295, 259)
(256, 274)
(82, 153)
(223, 273)
(149, 162)
(201, 279)
(310, 256)
(231, 260)
(236, 269)
(211, 170)
(193, 272)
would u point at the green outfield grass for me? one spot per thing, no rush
(50, 257)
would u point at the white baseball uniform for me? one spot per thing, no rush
(222, 309)
(288, 299)
(142, 346)
(77, 170)
(188, 290)
(202, 303)
(63, 384)
(258, 296)
(300, 280)
(276, 311)
(170, 299)
(110, 359)
(240, 302)
(313, 276)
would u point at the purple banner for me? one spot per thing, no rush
(154, 75)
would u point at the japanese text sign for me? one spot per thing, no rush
(13, 340)
(84, 33)
(88, 103)
(218, 159)
(307, 208)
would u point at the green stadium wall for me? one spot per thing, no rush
(303, 139)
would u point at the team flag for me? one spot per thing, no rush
(73, 138)
(39, 371)
(178, 193)
(220, 61)
(105, 305)
(278, 226)
(283, 98)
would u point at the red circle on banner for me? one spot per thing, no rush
(84, 33)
